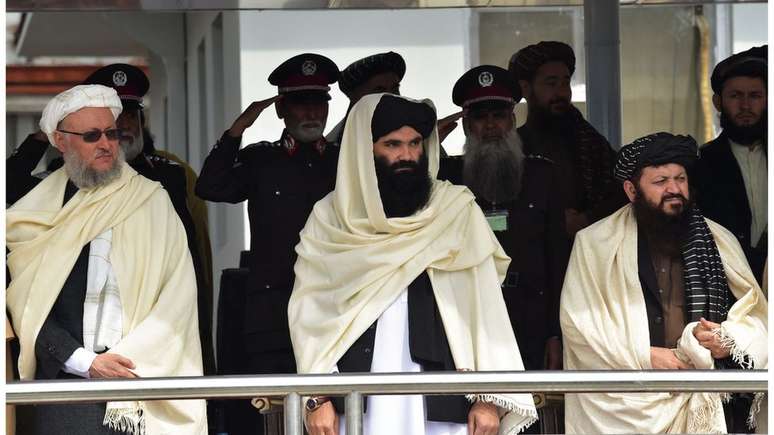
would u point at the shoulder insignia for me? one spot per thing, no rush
(263, 144)
(540, 157)
(155, 158)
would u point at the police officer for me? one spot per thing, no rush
(517, 192)
(281, 180)
(131, 84)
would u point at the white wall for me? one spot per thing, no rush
(749, 26)
(213, 79)
(434, 43)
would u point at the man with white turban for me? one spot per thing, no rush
(657, 262)
(102, 281)
(400, 272)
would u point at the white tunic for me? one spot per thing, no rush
(752, 164)
(398, 414)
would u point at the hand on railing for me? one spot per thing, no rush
(323, 420)
(483, 419)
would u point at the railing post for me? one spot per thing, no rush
(293, 421)
(353, 409)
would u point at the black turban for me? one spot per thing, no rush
(525, 62)
(359, 71)
(750, 63)
(655, 150)
(393, 113)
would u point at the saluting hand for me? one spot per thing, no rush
(248, 117)
(705, 333)
(111, 365)
(448, 124)
(483, 419)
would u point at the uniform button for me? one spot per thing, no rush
(367, 350)
(663, 270)
(540, 293)
(741, 236)
(661, 290)
(51, 348)
(276, 192)
(267, 286)
(309, 164)
(531, 205)
(659, 319)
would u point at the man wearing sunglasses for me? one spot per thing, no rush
(102, 281)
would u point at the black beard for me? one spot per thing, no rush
(744, 135)
(545, 119)
(666, 233)
(403, 193)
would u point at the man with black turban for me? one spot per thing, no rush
(399, 272)
(733, 186)
(373, 74)
(658, 262)
(557, 130)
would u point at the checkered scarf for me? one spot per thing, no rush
(706, 285)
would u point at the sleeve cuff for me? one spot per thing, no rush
(79, 362)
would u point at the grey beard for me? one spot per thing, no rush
(132, 146)
(85, 177)
(310, 133)
(493, 169)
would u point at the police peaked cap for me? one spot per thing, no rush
(485, 83)
(129, 81)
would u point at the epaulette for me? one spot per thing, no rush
(263, 144)
(157, 159)
(540, 157)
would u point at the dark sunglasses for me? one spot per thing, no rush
(92, 136)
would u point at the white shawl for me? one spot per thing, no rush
(155, 277)
(353, 262)
(604, 326)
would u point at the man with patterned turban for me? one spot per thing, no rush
(557, 130)
(400, 272)
(373, 74)
(732, 181)
(121, 299)
(658, 262)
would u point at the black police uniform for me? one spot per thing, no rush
(536, 242)
(281, 188)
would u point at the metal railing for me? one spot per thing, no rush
(354, 386)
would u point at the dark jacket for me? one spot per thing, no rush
(429, 348)
(539, 251)
(722, 197)
(281, 188)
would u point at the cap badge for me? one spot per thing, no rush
(119, 78)
(485, 79)
(308, 68)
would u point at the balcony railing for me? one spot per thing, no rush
(354, 386)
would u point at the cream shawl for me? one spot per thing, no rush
(604, 326)
(353, 262)
(155, 276)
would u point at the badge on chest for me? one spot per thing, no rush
(497, 219)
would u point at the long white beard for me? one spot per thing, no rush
(493, 169)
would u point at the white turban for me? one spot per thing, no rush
(75, 99)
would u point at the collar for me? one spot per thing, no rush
(755, 146)
(291, 145)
